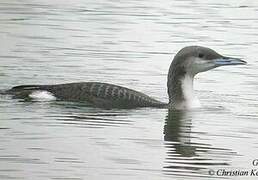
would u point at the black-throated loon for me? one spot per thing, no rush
(188, 62)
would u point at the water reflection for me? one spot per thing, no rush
(177, 128)
(93, 120)
(185, 155)
(82, 115)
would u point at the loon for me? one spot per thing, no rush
(188, 62)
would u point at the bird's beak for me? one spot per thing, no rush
(225, 61)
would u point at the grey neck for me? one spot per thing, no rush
(180, 87)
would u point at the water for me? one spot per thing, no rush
(129, 43)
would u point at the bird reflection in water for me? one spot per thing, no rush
(177, 129)
(186, 157)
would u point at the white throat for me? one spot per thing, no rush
(190, 100)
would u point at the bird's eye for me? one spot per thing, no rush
(200, 55)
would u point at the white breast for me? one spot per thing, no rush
(191, 101)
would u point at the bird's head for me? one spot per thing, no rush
(188, 62)
(196, 59)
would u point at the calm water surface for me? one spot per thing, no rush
(129, 43)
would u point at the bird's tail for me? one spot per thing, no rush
(2, 92)
(24, 88)
(22, 91)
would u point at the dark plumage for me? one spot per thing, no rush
(186, 64)
(97, 94)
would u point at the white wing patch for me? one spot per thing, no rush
(42, 96)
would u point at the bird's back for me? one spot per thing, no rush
(96, 93)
